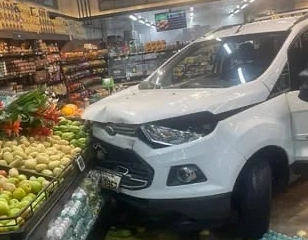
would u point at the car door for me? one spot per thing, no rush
(298, 61)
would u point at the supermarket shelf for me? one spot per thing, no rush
(23, 35)
(136, 54)
(84, 68)
(21, 54)
(9, 77)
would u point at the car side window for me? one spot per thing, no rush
(283, 83)
(298, 59)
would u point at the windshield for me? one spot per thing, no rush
(218, 63)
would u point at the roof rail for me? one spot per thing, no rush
(301, 14)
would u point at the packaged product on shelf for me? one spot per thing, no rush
(79, 214)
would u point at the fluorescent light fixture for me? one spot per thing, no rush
(141, 20)
(191, 14)
(133, 17)
(153, 26)
(236, 11)
(252, 1)
(148, 24)
(218, 39)
(227, 48)
(241, 75)
(191, 9)
(244, 6)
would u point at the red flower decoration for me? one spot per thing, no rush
(12, 128)
(41, 131)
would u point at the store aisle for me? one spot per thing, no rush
(289, 215)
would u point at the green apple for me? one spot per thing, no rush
(7, 193)
(36, 187)
(31, 196)
(26, 187)
(13, 180)
(23, 204)
(4, 208)
(41, 179)
(6, 196)
(14, 212)
(24, 181)
(32, 178)
(13, 202)
(22, 177)
(3, 200)
(19, 193)
(27, 198)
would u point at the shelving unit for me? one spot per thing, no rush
(82, 67)
(28, 64)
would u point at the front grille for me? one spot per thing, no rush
(122, 129)
(128, 130)
(136, 173)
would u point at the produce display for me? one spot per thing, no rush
(20, 195)
(73, 132)
(79, 213)
(48, 156)
(38, 149)
(71, 110)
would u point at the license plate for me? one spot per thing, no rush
(110, 181)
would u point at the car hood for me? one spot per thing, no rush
(134, 106)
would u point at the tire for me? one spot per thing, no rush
(254, 199)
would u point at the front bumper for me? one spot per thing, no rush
(214, 209)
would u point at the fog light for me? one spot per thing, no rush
(185, 174)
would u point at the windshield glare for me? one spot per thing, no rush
(218, 63)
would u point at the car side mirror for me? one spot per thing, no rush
(303, 92)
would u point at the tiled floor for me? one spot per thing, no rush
(289, 215)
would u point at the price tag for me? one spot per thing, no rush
(80, 163)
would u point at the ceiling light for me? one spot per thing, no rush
(241, 75)
(244, 6)
(141, 20)
(191, 9)
(252, 0)
(148, 24)
(153, 26)
(191, 14)
(227, 48)
(133, 17)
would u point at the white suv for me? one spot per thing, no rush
(214, 129)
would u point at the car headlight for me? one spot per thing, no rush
(168, 136)
(178, 130)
